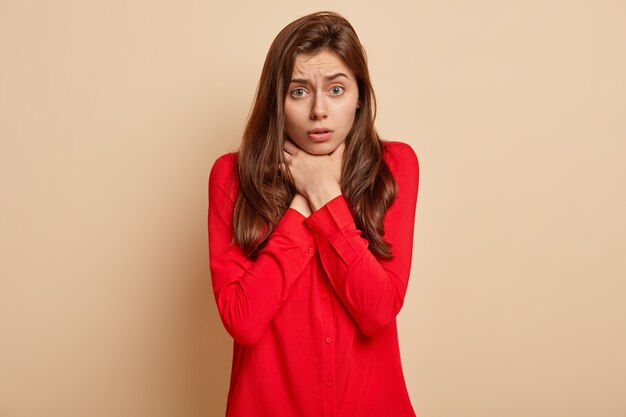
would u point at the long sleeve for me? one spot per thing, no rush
(306, 316)
(249, 293)
(371, 289)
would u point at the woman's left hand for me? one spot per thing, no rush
(316, 176)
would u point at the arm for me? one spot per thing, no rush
(248, 293)
(371, 289)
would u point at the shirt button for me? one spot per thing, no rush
(328, 340)
(324, 297)
(329, 382)
(310, 250)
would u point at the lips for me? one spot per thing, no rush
(320, 134)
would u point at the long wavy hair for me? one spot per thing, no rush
(264, 194)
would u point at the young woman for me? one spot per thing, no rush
(310, 236)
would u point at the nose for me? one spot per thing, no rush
(319, 110)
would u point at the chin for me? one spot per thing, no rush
(323, 148)
(319, 151)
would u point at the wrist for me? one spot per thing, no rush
(301, 205)
(319, 198)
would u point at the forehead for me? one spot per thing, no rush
(324, 63)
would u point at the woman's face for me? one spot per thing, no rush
(321, 102)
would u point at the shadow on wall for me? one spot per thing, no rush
(218, 357)
(195, 377)
(225, 133)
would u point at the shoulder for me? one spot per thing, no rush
(225, 162)
(401, 158)
(223, 174)
(224, 166)
(404, 166)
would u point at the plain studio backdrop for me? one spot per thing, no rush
(112, 113)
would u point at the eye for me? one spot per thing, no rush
(336, 90)
(298, 92)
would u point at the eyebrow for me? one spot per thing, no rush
(328, 78)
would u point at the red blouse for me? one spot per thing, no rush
(314, 317)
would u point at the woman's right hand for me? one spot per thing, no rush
(301, 205)
(316, 177)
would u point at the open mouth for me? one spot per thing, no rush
(320, 134)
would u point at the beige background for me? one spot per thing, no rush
(112, 113)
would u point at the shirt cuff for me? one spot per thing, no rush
(333, 215)
(292, 225)
(334, 223)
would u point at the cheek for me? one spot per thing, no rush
(347, 113)
(288, 119)
(293, 114)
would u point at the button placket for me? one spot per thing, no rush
(328, 352)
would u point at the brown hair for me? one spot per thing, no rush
(366, 181)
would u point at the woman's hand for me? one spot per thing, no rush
(301, 205)
(316, 177)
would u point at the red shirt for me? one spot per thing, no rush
(314, 317)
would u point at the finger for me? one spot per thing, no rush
(289, 147)
(338, 152)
